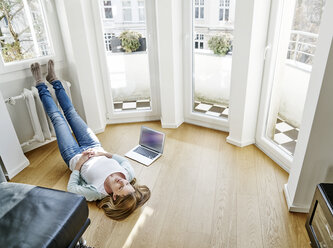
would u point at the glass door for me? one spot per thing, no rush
(293, 33)
(130, 62)
(212, 37)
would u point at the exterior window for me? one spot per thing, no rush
(199, 41)
(108, 10)
(199, 9)
(127, 11)
(141, 7)
(23, 31)
(107, 39)
(224, 10)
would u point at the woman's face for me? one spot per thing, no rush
(120, 186)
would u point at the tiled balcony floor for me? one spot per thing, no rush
(132, 105)
(285, 136)
(211, 109)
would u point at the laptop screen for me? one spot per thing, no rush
(152, 139)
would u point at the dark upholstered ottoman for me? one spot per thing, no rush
(36, 217)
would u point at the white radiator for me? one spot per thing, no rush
(41, 123)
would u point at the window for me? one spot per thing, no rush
(199, 41)
(141, 7)
(107, 40)
(127, 11)
(199, 9)
(107, 10)
(224, 10)
(23, 31)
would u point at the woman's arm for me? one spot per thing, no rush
(88, 191)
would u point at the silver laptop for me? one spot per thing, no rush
(150, 146)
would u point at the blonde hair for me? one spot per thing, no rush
(122, 207)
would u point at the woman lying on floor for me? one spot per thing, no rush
(96, 174)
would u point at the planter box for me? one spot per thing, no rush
(143, 45)
(116, 45)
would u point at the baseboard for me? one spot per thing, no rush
(222, 126)
(100, 130)
(240, 143)
(291, 207)
(18, 169)
(171, 125)
(133, 119)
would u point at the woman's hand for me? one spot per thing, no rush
(106, 154)
(86, 155)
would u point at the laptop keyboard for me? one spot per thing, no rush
(145, 152)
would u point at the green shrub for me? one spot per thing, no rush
(130, 40)
(220, 45)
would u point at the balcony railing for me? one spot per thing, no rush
(302, 46)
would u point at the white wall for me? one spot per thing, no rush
(294, 88)
(251, 21)
(212, 76)
(80, 39)
(169, 38)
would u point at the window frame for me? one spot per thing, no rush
(107, 40)
(127, 8)
(55, 42)
(108, 7)
(141, 9)
(224, 5)
(200, 40)
(200, 5)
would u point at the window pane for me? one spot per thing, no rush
(201, 45)
(28, 36)
(202, 2)
(141, 14)
(196, 12)
(127, 14)
(107, 3)
(141, 3)
(196, 45)
(201, 12)
(126, 3)
(108, 13)
(227, 15)
(221, 15)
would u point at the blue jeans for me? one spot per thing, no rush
(85, 138)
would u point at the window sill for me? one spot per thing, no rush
(25, 64)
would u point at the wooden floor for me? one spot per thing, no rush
(205, 193)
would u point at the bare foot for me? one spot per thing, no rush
(51, 76)
(36, 73)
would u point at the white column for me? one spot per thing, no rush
(78, 30)
(251, 21)
(313, 160)
(169, 38)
